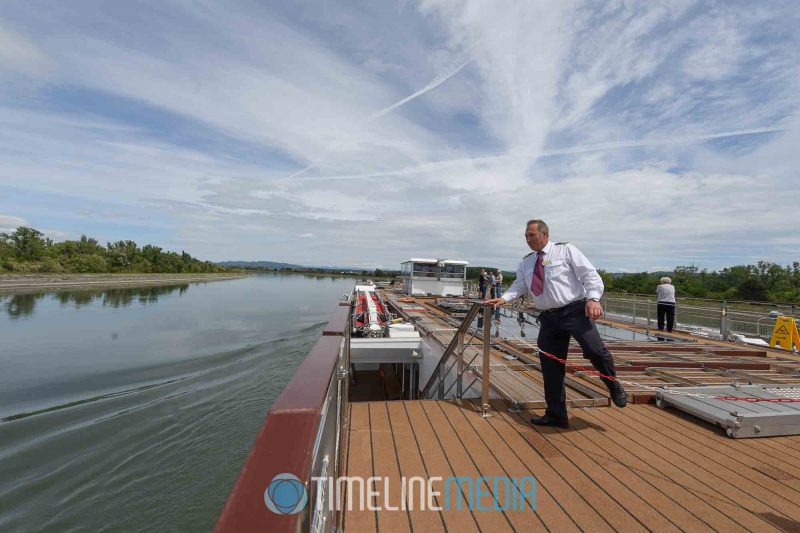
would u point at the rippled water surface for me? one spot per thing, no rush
(133, 409)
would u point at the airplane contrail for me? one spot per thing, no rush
(438, 80)
(611, 145)
(434, 83)
(658, 142)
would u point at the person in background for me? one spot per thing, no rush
(482, 283)
(490, 277)
(498, 291)
(498, 284)
(666, 304)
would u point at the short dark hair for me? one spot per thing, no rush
(540, 224)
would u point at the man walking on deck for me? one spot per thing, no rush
(566, 290)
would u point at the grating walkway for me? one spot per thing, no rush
(632, 469)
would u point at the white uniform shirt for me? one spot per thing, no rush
(568, 276)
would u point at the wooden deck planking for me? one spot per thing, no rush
(722, 454)
(411, 464)
(551, 512)
(386, 466)
(627, 503)
(438, 464)
(462, 464)
(615, 515)
(627, 469)
(458, 461)
(359, 463)
(745, 489)
(667, 456)
(679, 483)
(675, 515)
(632, 467)
(535, 454)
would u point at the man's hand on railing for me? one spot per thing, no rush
(494, 301)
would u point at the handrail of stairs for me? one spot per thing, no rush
(456, 349)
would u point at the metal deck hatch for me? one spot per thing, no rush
(741, 419)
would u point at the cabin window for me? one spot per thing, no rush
(453, 271)
(424, 270)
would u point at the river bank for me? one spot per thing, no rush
(24, 283)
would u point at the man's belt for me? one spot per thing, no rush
(567, 307)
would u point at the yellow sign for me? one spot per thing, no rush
(785, 333)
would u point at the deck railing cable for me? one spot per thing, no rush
(661, 390)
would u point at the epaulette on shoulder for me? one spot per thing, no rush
(562, 243)
(528, 255)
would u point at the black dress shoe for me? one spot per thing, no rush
(547, 420)
(618, 394)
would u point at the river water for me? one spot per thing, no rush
(133, 409)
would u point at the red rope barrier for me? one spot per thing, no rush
(727, 398)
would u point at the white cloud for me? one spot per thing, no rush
(20, 56)
(9, 223)
(719, 51)
(519, 68)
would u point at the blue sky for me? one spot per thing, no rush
(650, 134)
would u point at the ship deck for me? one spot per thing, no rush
(637, 468)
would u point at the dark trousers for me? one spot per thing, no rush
(665, 311)
(555, 330)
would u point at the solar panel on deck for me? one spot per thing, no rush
(741, 419)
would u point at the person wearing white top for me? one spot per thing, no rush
(566, 289)
(665, 309)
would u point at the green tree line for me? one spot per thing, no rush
(27, 250)
(763, 282)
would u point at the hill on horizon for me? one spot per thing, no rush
(278, 266)
(258, 264)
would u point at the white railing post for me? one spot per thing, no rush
(723, 321)
(487, 333)
(460, 354)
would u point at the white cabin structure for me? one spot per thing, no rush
(434, 277)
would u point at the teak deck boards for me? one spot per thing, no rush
(633, 469)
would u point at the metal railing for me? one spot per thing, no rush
(436, 274)
(452, 275)
(329, 446)
(453, 360)
(716, 318)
